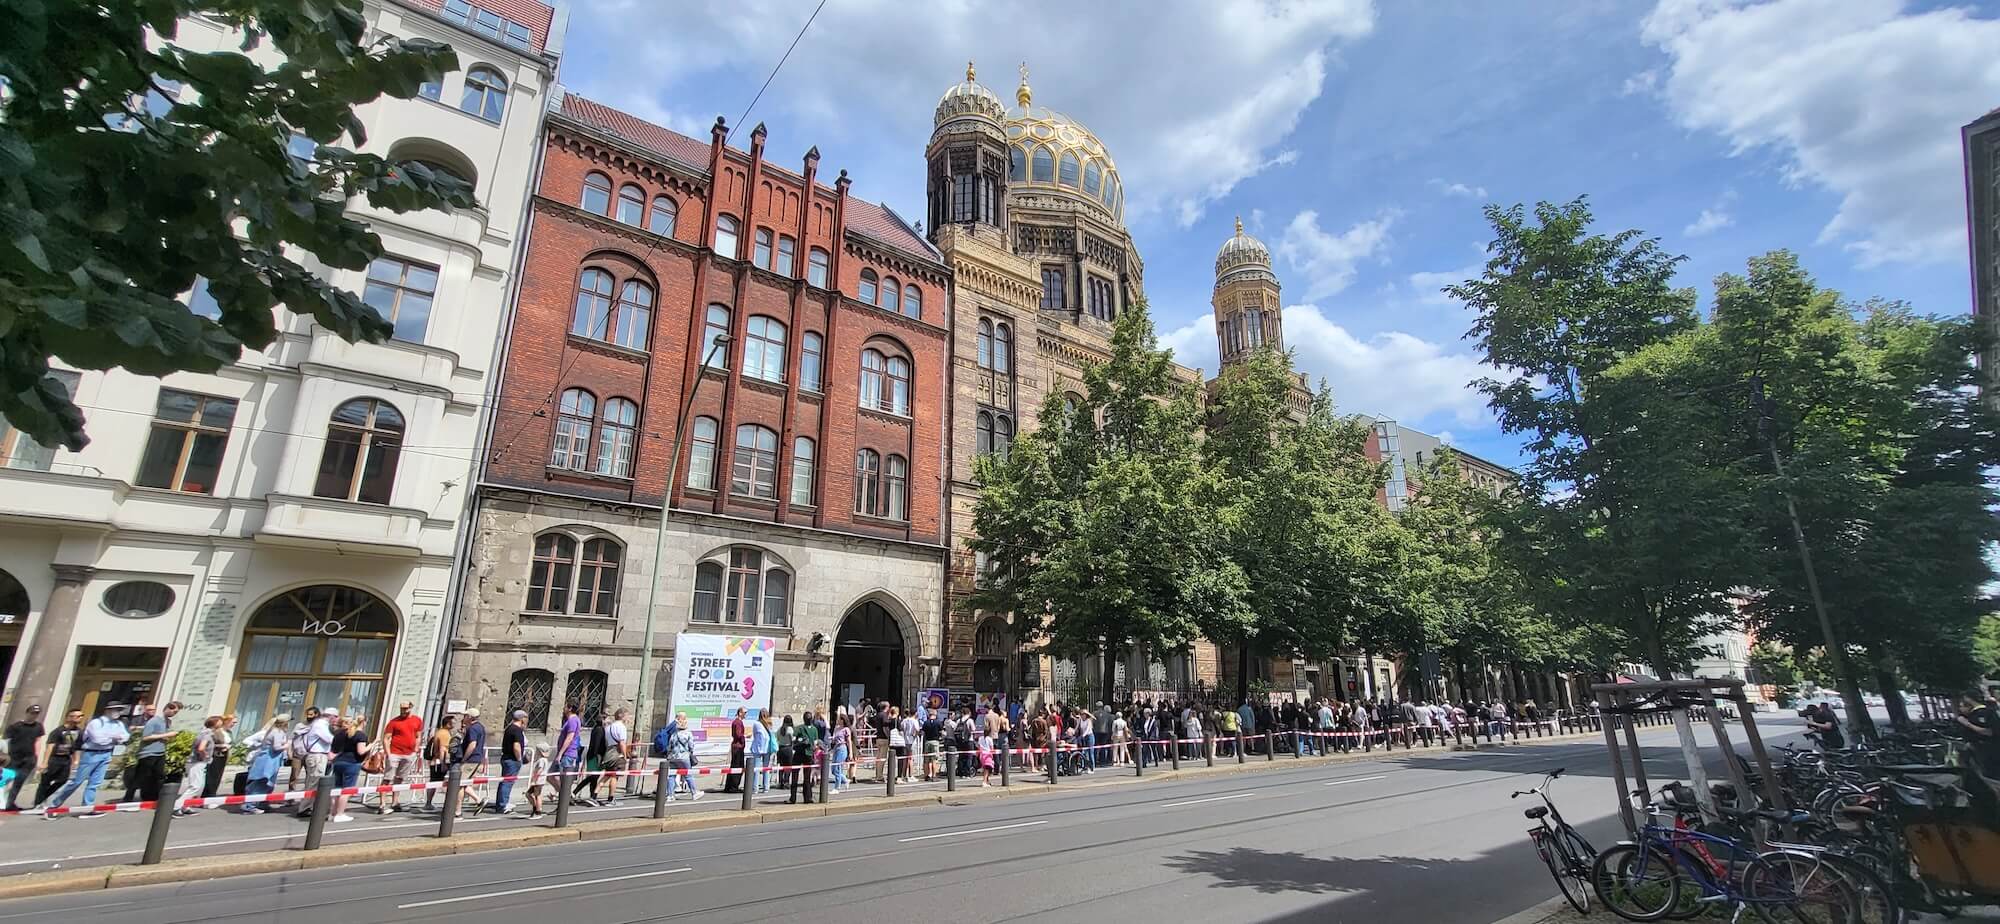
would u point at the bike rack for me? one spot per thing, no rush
(1626, 705)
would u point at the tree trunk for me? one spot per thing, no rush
(1368, 679)
(1242, 670)
(1891, 690)
(1860, 726)
(1458, 665)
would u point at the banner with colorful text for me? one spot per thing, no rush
(715, 675)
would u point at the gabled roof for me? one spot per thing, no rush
(537, 16)
(869, 219)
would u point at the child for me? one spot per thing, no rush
(538, 769)
(985, 759)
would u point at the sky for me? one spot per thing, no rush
(1360, 141)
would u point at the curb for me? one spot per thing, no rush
(1554, 907)
(194, 869)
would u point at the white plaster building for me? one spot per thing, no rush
(282, 533)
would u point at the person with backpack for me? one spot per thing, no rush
(437, 754)
(681, 760)
(593, 762)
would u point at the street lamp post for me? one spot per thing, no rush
(640, 716)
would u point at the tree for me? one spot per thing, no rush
(1603, 531)
(1986, 645)
(1095, 523)
(131, 167)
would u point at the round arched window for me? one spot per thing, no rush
(138, 599)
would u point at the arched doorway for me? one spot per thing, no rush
(989, 658)
(325, 646)
(868, 657)
(13, 616)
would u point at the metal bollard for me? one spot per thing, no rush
(1055, 760)
(660, 793)
(1208, 746)
(1138, 756)
(562, 799)
(454, 790)
(951, 771)
(895, 770)
(1006, 761)
(823, 759)
(156, 839)
(1270, 745)
(1174, 751)
(1298, 745)
(1239, 747)
(322, 806)
(749, 780)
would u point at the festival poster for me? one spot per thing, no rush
(935, 700)
(714, 675)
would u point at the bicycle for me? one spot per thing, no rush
(1644, 880)
(1566, 853)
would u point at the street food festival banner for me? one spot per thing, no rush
(715, 675)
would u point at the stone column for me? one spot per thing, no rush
(42, 663)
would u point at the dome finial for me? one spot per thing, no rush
(1024, 95)
(1239, 226)
(968, 71)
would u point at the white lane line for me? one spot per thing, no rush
(542, 888)
(1354, 779)
(1239, 795)
(1025, 824)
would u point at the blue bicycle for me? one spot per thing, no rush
(1675, 871)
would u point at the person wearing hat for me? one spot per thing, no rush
(471, 761)
(316, 744)
(24, 740)
(104, 733)
(513, 757)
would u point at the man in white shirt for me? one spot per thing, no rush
(100, 737)
(617, 752)
(317, 745)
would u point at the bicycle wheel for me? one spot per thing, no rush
(1791, 888)
(1555, 858)
(1876, 901)
(1636, 886)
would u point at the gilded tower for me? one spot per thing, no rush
(1247, 312)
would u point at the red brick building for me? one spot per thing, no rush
(801, 333)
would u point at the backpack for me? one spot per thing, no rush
(663, 740)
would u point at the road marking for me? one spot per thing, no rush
(1239, 795)
(1025, 824)
(542, 888)
(1354, 779)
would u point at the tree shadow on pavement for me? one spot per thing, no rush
(1274, 873)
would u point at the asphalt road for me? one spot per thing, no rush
(1421, 837)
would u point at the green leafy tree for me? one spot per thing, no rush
(1986, 646)
(1095, 523)
(130, 166)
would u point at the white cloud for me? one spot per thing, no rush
(1184, 128)
(1447, 437)
(1864, 98)
(1643, 83)
(1709, 221)
(1460, 189)
(1328, 260)
(1393, 374)
(1429, 286)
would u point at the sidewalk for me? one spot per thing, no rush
(1558, 911)
(417, 838)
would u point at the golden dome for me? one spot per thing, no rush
(1240, 256)
(1049, 151)
(968, 99)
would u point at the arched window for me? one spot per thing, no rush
(1017, 164)
(485, 93)
(899, 386)
(754, 468)
(760, 254)
(592, 316)
(897, 474)
(983, 433)
(1045, 165)
(988, 642)
(777, 597)
(631, 205)
(587, 689)
(867, 481)
(810, 361)
(725, 236)
(530, 690)
(571, 449)
(665, 214)
(913, 301)
(1110, 180)
(802, 472)
(564, 581)
(889, 289)
(363, 441)
(1066, 173)
(615, 437)
(708, 592)
(1003, 434)
(817, 266)
(596, 193)
(597, 578)
(701, 457)
(867, 293)
(1003, 349)
(635, 315)
(787, 249)
(985, 343)
(764, 349)
(1092, 179)
(553, 577)
(714, 326)
(872, 365)
(328, 641)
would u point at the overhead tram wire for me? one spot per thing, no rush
(562, 372)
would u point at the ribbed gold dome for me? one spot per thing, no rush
(1241, 255)
(969, 98)
(1049, 151)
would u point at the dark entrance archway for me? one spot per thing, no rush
(13, 616)
(867, 658)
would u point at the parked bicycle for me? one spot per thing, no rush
(1564, 850)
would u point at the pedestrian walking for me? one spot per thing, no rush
(298, 755)
(593, 762)
(153, 738)
(315, 745)
(681, 760)
(400, 737)
(470, 763)
(803, 754)
(100, 737)
(739, 744)
(195, 774)
(513, 758)
(536, 773)
(351, 746)
(617, 756)
(843, 749)
(24, 750)
(218, 762)
(268, 751)
(763, 745)
(58, 754)
(438, 753)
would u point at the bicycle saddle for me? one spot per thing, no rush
(1537, 812)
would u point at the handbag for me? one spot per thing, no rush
(376, 762)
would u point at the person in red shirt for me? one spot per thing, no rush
(739, 738)
(401, 734)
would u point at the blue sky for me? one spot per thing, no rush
(1359, 140)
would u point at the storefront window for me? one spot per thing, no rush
(321, 646)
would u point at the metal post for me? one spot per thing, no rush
(1055, 758)
(822, 759)
(1208, 746)
(950, 771)
(1174, 752)
(661, 792)
(322, 806)
(1239, 746)
(1298, 745)
(1006, 761)
(156, 839)
(1138, 756)
(1270, 745)
(562, 799)
(749, 780)
(895, 770)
